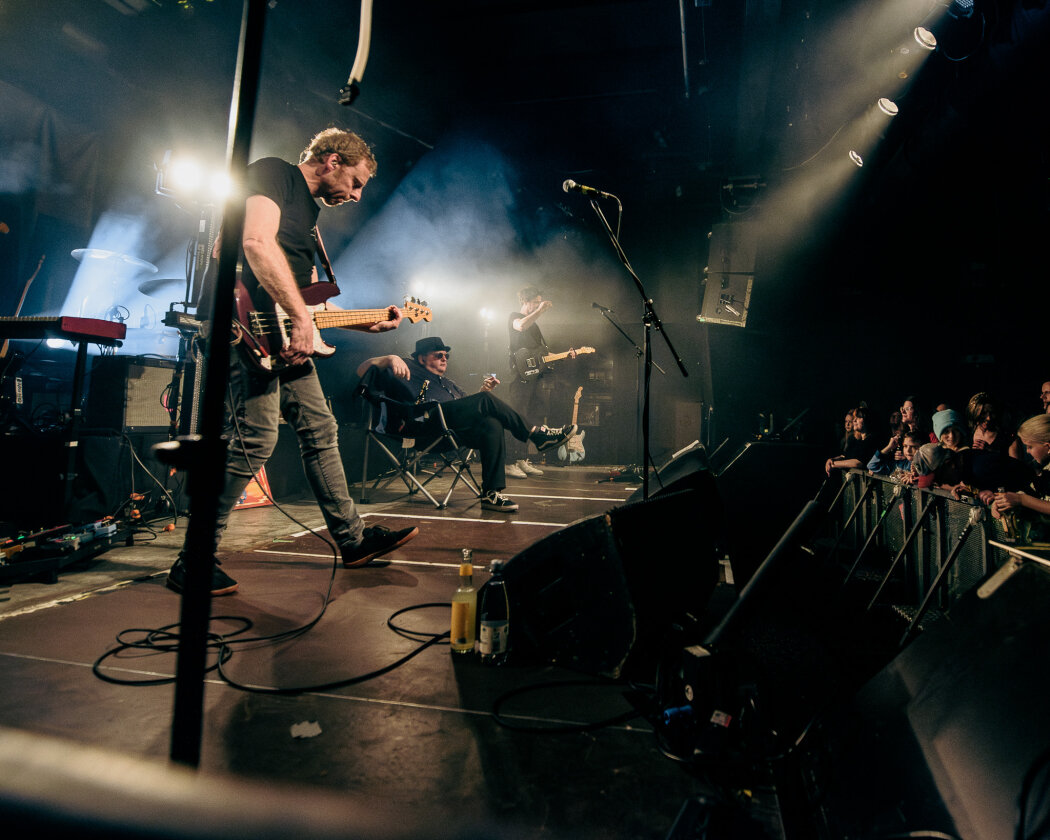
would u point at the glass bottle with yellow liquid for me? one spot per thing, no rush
(464, 608)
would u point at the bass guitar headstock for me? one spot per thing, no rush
(416, 310)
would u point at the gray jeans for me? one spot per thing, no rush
(259, 403)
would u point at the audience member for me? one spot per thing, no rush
(1033, 504)
(847, 430)
(857, 448)
(1044, 395)
(990, 425)
(896, 457)
(942, 464)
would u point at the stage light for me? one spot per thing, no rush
(187, 180)
(925, 38)
(185, 175)
(955, 31)
(888, 107)
(856, 158)
(220, 186)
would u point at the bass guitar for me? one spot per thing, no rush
(528, 363)
(263, 334)
(572, 450)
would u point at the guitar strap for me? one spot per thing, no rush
(323, 255)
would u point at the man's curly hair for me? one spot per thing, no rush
(350, 148)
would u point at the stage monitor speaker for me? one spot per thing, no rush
(132, 394)
(949, 736)
(602, 595)
(687, 468)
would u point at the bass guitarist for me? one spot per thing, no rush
(526, 393)
(278, 253)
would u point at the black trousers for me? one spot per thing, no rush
(530, 400)
(479, 421)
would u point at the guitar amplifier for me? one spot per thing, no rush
(132, 394)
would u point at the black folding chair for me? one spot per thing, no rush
(415, 439)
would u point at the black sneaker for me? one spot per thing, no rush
(375, 541)
(494, 500)
(221, 583)
(547, 437)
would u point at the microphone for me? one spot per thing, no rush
(602, 308)
(571, 186)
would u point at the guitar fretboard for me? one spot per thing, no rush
(349, 318)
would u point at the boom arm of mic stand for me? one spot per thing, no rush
(650, 312)
(637, 350)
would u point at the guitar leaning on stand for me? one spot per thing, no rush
(572, 450)
(528, 364)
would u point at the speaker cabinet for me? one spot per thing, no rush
(602, 595)
(132, 393)
(948, 736)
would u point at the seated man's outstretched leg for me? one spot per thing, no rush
(464, 413)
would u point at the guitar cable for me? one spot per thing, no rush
(166, 639)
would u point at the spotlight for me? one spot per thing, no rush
(856, 158)
(924, 38)
(888, 107)
(184, 178)
(220, 186)
(185, 175)
(955, 30)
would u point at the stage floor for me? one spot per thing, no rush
(422, 740)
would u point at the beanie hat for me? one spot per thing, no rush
(943, 420)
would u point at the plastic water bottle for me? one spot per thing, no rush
(464, 608)
(494, 612)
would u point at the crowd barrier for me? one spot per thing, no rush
(930, 547)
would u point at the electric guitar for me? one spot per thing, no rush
(262, 334)
(528, 363)
(572, 450)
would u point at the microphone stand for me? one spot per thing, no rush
(650, 320)
(204, 456)
(637, 350)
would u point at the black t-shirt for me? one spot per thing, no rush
(530, 337)
(860, 449)
(284, 184)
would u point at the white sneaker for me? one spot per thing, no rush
(514, 471)
(528, 468)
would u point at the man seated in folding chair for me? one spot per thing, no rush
(477, 421)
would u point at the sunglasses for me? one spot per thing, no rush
(441, 355)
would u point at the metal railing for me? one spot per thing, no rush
(926, 548)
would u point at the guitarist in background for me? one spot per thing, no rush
(527, 397)
(278, 252)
